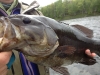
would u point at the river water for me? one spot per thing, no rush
(80, 69)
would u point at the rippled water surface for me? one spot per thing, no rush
(90, 22)
(80, 69)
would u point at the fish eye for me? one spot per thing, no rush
(26, 20)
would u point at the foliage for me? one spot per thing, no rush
(62, 9)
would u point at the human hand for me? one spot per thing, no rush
(4, 59)
(89, 53)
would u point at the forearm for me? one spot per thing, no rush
(3, 70)
(6, 60)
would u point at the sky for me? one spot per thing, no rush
(41, 2)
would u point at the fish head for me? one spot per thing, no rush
(40, 38)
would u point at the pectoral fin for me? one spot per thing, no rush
(64, 51)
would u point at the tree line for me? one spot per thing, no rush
(67, 9)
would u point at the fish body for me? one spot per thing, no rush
(50, 43)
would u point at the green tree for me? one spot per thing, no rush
(71, 8)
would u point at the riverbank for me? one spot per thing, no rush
(68, 17)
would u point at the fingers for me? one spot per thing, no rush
(89, 53)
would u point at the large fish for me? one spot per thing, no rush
(48, 42)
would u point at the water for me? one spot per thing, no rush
(80, 69)
(90, 22)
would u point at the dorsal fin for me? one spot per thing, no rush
(88, 32)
